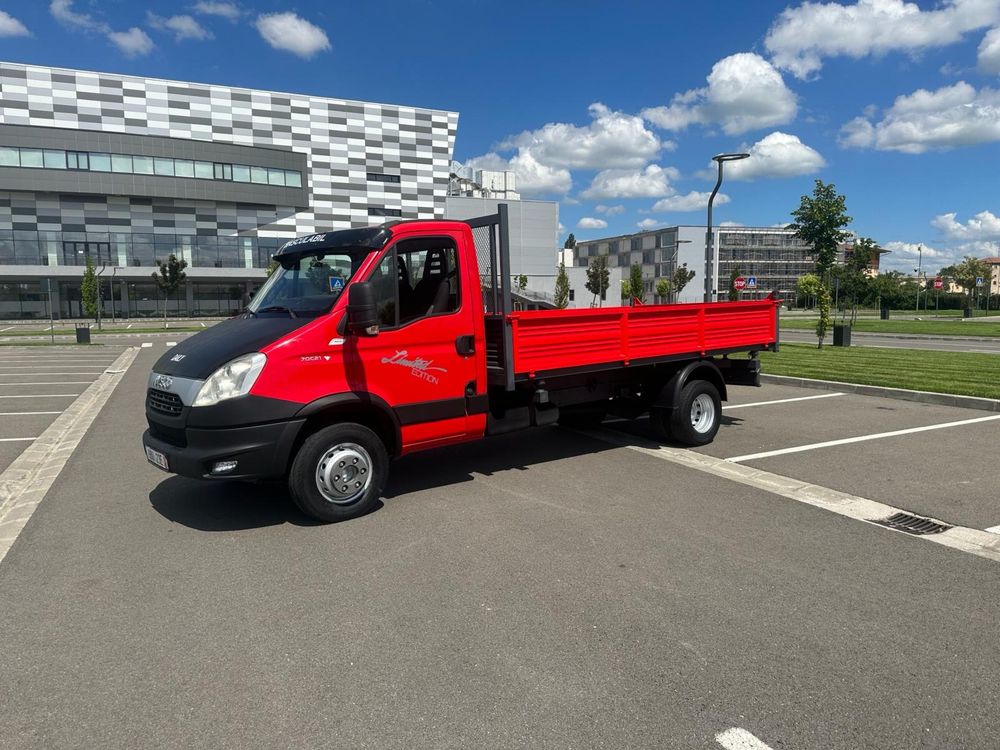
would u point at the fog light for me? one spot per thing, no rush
(223, 467)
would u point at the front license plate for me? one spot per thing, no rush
(157, 459)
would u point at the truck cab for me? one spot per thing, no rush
(366, 344)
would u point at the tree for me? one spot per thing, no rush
(521, 282)
(570, 242)
(810, 285)
(663, 289)
(852, 279)
(637, 287)
(598, 278)
(562, 288)
(680, 278)
(820, 221)
(965, 275)
(169, 277)
(88, 289)
(734, 293)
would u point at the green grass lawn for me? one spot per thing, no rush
(915, 369)
(928, 327)
(108, 332)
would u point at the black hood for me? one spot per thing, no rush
(202, 354)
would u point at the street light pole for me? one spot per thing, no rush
(719, 159)
(920, 265)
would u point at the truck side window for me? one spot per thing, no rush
(419, 278)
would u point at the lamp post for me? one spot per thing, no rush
(114, 270)
(920, 265)
(720, 159)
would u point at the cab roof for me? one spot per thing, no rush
(373, 238)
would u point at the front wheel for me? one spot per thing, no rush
(339, 472)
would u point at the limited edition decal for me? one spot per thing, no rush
(419, 368)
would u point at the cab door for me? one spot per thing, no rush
(422, 361)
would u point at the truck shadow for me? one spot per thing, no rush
(237, 506)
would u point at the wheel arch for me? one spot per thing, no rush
(699, 369)
(361, 407)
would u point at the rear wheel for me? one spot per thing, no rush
(339, 472)
(695, 418)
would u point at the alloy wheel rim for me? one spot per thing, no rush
(702, 413)
(344, 473)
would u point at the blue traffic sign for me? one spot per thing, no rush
(751, 282)
(336, 283)
(979, 281)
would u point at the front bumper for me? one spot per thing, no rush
(261, 451)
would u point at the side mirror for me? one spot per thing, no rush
(362, 312)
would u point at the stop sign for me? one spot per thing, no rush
(938, 282)
(739, 283)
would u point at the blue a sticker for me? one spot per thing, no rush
(336, 283)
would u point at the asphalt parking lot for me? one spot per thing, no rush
(36, 386)
(545, 589)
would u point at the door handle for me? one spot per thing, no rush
(465, 345)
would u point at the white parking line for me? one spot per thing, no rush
(60, 382)
(129, 325)
(43, 395)
(18, 440)
(739, 739)
(727, 407)
(993, 529)
(858, 439)
(6, 329)
(147, 344)
(26, 413)
(171, 343)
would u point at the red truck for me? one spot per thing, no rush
(366, 344)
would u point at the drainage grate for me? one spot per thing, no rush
(912, 524)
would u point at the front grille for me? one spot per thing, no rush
(172, 435)
(164, 403)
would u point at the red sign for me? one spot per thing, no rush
(938, 282)
(739, 283)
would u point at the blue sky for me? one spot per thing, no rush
(615, 109)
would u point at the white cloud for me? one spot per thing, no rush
(693, 201)
(10, 26)
(983, 226)
(774, 156)
(610, 210)
(588, 222)
(182, 27)
(744, 92)
(651, 182)
(533, 178)
(62, 11)
(905, 257)
(802, 37)
(611, 140)
(230, 11)
(951, 116)
(648, 223)
(989, 52)
(289, 32)
(132, 43)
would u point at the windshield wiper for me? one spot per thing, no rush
(277, 308)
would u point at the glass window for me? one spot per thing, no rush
(121, 163)
(9, 157)
(383, 211)
(258, 175)
(307, 286)
(163, 166)
(31, 157)
(276, 177)
(293, 179)
(183, 168)
(77, 160)
(100, 162)
(227, 171)
(241, 173)
(55, 159)
(203, 170)
(416, 279)
(142, 164)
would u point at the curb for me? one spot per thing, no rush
(914, 336)
(901, 394)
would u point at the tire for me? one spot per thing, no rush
(361, 455)
(583, 417)
(696, 419)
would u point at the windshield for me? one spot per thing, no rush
(307, 286)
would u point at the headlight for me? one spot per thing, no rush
(233, 379)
